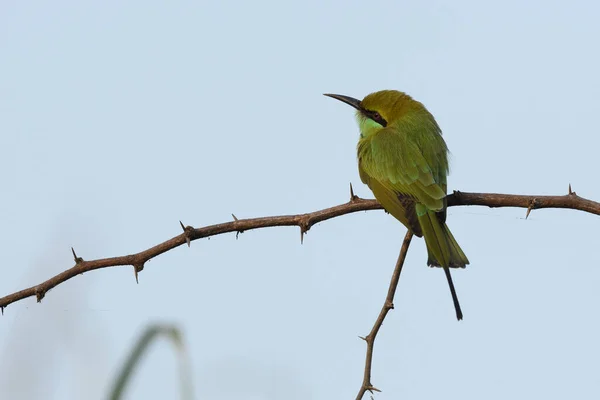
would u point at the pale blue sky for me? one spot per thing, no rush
(118, 119)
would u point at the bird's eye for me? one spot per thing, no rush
(375, 116)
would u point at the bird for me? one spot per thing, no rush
(403, 159)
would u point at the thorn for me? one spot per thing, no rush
(136, 269)
(237, 234)
(352, 195)
(2, 308)
(363, 338)
(77, 259)
(186, 231)
(372, 389)
(39, 294)
(304, 225)
(531, 207)
(570, 191)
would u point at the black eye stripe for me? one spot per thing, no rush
(375, 116)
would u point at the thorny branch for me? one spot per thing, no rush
(387, 306)
(304, 221)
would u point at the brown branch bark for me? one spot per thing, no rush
(304, 221)
(387, 306)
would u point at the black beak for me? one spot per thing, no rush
(346, 99)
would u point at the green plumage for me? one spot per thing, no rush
(403, 159)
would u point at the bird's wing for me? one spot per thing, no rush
(401, 207)
(399, 163)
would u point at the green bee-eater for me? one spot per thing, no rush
(403, 159)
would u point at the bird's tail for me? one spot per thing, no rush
(443, 250)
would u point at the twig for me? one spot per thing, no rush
(570, 200)
(387, 306)
(304, 221)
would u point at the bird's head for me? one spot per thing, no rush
(380, 109)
